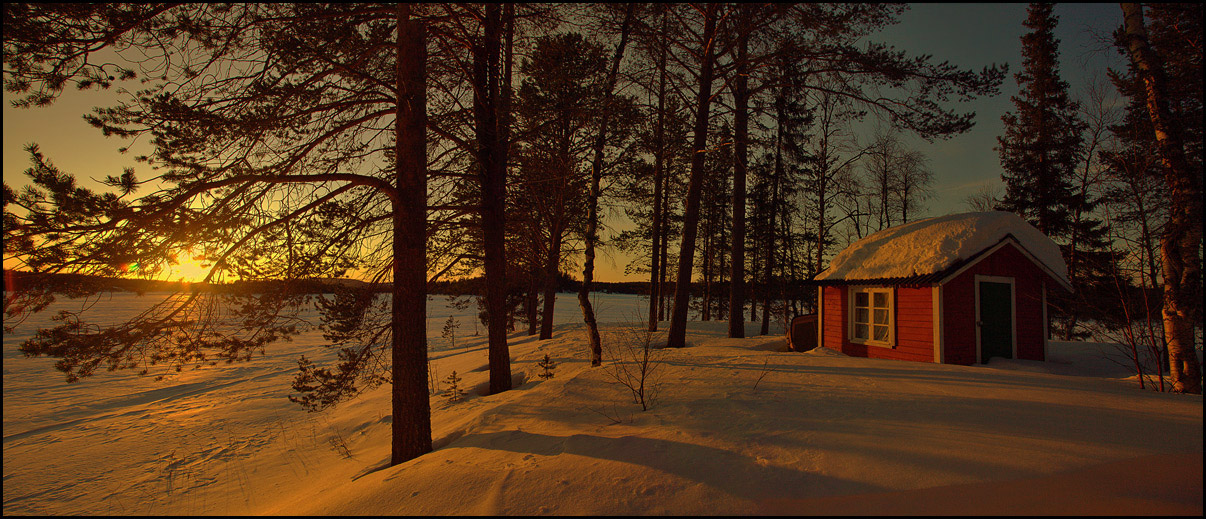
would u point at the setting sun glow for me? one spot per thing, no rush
(188, 268)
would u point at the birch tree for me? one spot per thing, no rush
(1181, 240)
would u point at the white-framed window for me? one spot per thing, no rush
(872, 316)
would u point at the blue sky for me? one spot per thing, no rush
(976, 35)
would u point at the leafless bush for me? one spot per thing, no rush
(635, 363)
(1138, 332)
(613, 416)
(765, 369)
(340, 445)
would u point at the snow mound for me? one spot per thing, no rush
(935, 244)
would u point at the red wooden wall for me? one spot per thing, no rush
(914, 325)
(914, 314)
(833, 318)
(959, 306)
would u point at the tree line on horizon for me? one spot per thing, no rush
(416, 142)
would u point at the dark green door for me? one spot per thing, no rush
(996, 320)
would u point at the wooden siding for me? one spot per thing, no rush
(914, 332)
(914, 327)
(959, 306)
(834, 327)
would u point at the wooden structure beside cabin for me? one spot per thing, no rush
(990, 302)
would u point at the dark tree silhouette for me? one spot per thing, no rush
(1042, 143)
(292, 140)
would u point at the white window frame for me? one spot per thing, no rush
(850, 323)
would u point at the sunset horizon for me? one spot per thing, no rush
(603, 259)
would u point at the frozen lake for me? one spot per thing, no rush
(35, 394)
(109, 308)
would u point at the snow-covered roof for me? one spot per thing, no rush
(936, 244)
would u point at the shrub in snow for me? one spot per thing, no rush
(340, 446)
(635, 364)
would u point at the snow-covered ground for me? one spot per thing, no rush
(738, 426)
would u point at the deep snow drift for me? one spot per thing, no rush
(737, 427)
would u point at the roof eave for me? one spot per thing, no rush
(945, 275)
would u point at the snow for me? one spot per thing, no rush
(739, 426)
(934, 244)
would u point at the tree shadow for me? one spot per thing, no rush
(720, 469)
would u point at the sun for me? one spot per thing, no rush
(189, 268)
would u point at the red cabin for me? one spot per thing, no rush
(955, 289)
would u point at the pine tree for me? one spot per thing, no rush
(491, 106)
(289, 137)
(591, 232)
(566, 86)
(548, 365)
(454, 391)
(1042, 142)
(706, 53)
(1042, 152)
(449, 331)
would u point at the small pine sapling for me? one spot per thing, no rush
(548, 366)
(454, 391)
(450, 327)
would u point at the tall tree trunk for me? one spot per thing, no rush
(822, 192)
(677, 337)
(773, 204)
(493, 197)
(708, 251)
(504, 101)
(506, 117)
(788, 267)
(592, 216)
(755, 289)
(551, 263)
(533, 297)
(664, 248)
(741, 149)
(411, 426)
(721, 303)
(656, 271)
(657, 311)
(1183, 233)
